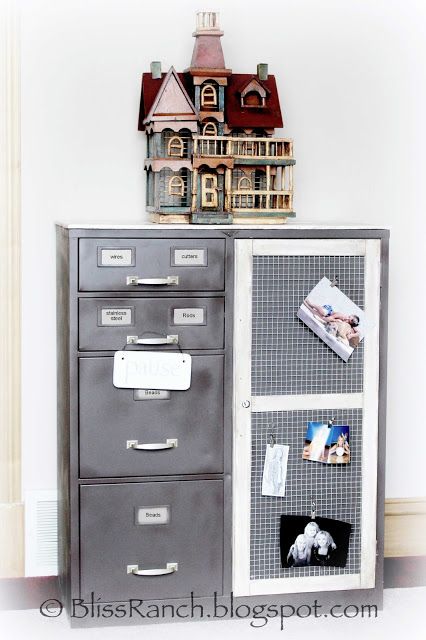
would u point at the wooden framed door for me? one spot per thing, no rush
(209, 189)
(285, 376)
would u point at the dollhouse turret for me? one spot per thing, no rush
(208, 54)
(211, 152)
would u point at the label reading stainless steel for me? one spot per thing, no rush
(188, 316)
(190, 257)
(118, 316)
(116, 257)
(153, 515)
(151, 394)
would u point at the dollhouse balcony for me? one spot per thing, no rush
(245, 201)
(257, 151)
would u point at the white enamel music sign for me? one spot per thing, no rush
(152, 370)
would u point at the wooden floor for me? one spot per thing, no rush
(402, 616)
(29, 593)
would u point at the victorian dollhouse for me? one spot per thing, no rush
(211, 154)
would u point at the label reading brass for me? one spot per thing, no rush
(151, 394)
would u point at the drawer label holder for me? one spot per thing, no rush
(115, 316)
(116, 257)
(152, 515)
(151, 394)
(189, 257)
(188, 316)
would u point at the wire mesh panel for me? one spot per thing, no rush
(287, 357)
(336, 488)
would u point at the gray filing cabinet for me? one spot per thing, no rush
(161, 522)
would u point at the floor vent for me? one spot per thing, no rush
(41, 533)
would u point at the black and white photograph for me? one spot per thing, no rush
(334, 318)
(307, 542)
(327, 443)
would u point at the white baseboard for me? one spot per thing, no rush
(405, 526)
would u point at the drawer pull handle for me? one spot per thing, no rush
(167, 340)
(171, 443)
(134, 280)
(171, 567)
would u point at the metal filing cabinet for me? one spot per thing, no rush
(159, 490)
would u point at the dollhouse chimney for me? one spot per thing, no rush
(156, 70)
(262, 71)
(207, 52)
(207, 21)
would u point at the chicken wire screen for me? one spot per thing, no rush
(287, 357)
(337, 490)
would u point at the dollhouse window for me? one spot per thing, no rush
(208, 96)
(175, 147)
(210, 129)
(244, 183)
(253, 99)
(176, 186)
(254, 95)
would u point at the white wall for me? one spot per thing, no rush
(351, 76)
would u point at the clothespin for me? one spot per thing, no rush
(313, 509)
(334, 282)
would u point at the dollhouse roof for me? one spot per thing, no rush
(150, 92)
(171, 99)
(267, 117)
(236, 116)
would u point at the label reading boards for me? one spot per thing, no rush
(153, 515)
(152, 370)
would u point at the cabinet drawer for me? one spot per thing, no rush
(190, 535)
(106, 323)
(110, 417)
(105, 264)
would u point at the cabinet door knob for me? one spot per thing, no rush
(171, 567)
(171, 443)
(245, 404)
(135, 280)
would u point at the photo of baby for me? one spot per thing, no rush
(334, 318)
(306, 542)
(327, 444)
